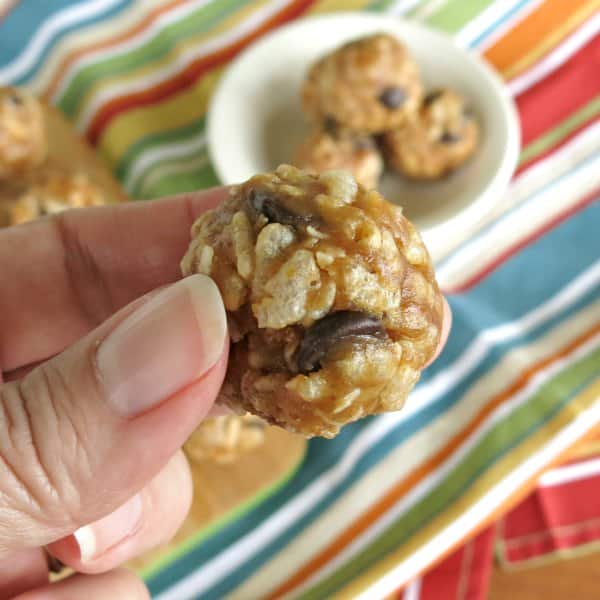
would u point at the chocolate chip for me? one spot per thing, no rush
(270, 206)
(392, 97)
(330, 125)
(329, 332)
(449, 137)
(431, 97)
(54, 565)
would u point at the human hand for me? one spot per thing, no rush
(106, 373)
(124, 374)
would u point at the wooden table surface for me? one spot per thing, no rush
(573, 579)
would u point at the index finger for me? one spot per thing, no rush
(64, 275)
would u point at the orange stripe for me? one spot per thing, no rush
(80, 52)
(519, 41)
(394, 494)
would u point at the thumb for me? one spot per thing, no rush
(83, 432)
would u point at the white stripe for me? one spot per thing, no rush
(485, 507)
(179, 63)
(557, 57)
(570, 473)
(419, 491)
(509, 24)
(233, 557)
(412, 453)
(428, 9)
(474, 256)
(413, 590)
(127, 45)
(478, 349)
(160, 153)
(61, 20)
(167, 170)
(542, 174)
(83, 36)
(401, 6)
(491, 14)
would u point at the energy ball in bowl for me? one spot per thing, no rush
(22, 133)
(332, 301)
(224, 439)
(327, 151)
(436, 141)
(368, 85)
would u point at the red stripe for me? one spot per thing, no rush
(529, 239)
(560, 94)
(189, 75)
(540, 157)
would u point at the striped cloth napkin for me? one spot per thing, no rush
(558, 520)
(519, 381)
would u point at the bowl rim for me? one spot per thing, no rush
(469, 214)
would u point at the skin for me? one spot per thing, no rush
(89, 269)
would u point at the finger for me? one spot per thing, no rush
(22, 571)
(72, 271)
(115, 585)
(149, 519)
(446, 326)
(85, 431)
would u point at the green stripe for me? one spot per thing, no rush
(160, 138)
(197, 538)
(163, 43)
(554, 136)
(456, 13)
(501, 439)
(182, 169)
(178, 183)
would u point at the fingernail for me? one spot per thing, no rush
(165, 345)
(98, 537)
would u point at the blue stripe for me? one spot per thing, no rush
(470, 316)
(516, 8)
(25, 20)
(535, 196)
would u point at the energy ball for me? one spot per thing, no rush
(332, 301)
(51, 191)
(327, 151)
(224, 439)
(440, 137)
(22, 133)
(368, 85)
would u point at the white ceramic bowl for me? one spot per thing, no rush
(255, 119)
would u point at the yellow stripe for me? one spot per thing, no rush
(552, 40)
(227, 25)
(547, 559)
(335, 5)
(586, 450)
(499, 471)
(181, 109)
